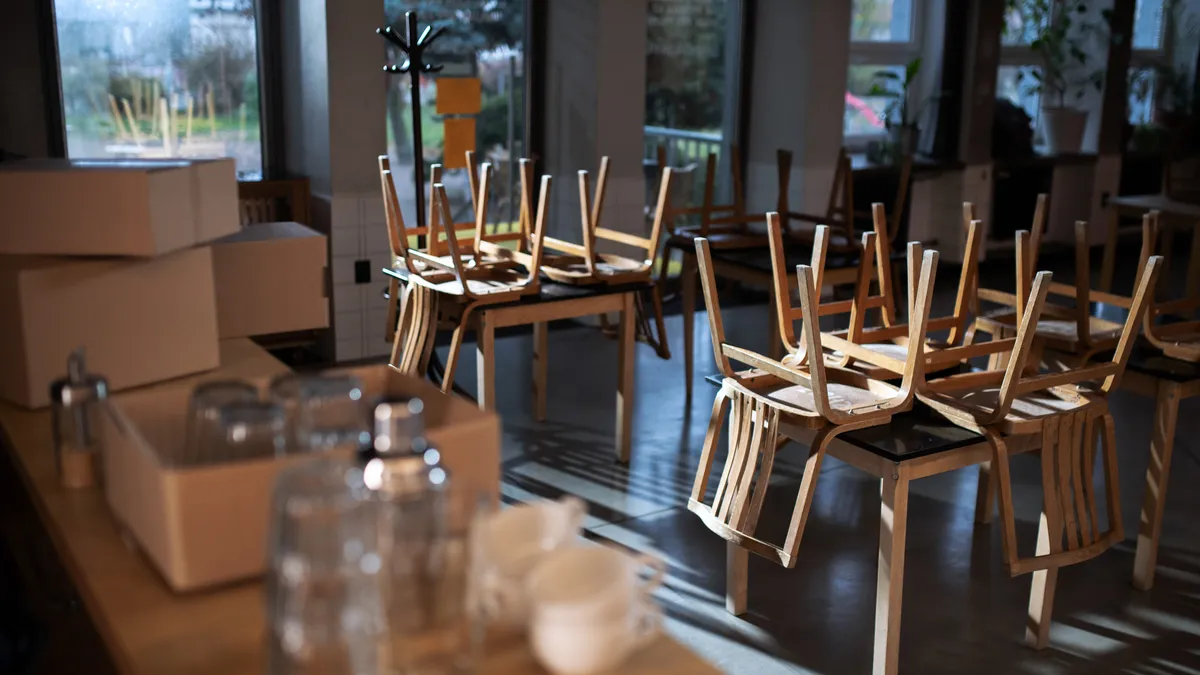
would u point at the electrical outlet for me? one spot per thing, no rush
(362, 271)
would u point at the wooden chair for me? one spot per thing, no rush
(272, 201)
(879, 352)
(827, 399)
(584, 264)
(726, 226)
(1179, 339)
(651, 326)
(451, 278)
(1067, 413)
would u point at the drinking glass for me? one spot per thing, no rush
(204, 418)
(322, 590)
(249, 430)
(330, 414)
(427, 547)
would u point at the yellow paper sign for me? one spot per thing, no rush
(458, 138)
(458, 95)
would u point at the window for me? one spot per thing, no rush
(691, 85)
(884, 38)
(161, 78)
(1148, 58)
(483, 40)
(1019, 64)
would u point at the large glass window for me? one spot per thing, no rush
(691, 82)
(161, 78)
(483, 39)
(884, 39)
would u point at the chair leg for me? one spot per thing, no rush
(688, 278)
(737, 564)
(1041, 593)
(389, 328)
(455, 348)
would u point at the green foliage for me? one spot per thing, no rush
(1061, 35)
(491, 126)
(902, 109)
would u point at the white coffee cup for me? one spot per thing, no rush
(511, 542)
(590, 609)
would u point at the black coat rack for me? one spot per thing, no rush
(414, 64)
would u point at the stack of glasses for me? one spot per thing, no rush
(369, 560)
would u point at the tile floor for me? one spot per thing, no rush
(963, 612)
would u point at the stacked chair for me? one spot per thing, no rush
(808, 395)
(835, 383)
(1170, 325)
(449, 287)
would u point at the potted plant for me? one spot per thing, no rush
(901, 114)
(1061, 33)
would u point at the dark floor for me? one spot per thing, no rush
(962, 610)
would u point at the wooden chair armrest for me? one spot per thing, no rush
(766, 364)
(972, 380)
(1046, 381)
(623, 238)
(564, 246)
(432, 261)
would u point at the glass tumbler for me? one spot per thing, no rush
(204, 418)
(323, 585)
(426, 545)
(249, 430)
(330, 414)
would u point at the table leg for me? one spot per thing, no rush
(626, 355)
(1166, 411)
(737, 567)
(541, 361)
(485, 363)
(688, 279)
(889, 589)
(1110, 251)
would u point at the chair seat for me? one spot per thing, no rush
(720, 239)
(608, 269)
(1025, 417)
(1063, 334)
(847, 390)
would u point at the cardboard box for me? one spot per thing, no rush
(115, 207)
(207, 525)
(141, 321)
(270, 279)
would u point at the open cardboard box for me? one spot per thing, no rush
(207, 525)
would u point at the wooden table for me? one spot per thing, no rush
(149, 630)
(1136, 206)
(558, 301)
(1169, 381)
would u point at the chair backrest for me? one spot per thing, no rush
(397, 233)
(1018, 381)
(815, 379)
(269, 201)
(711, 214)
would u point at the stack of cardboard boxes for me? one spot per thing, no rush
(146, 265)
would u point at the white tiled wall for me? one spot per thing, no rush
(358, 231)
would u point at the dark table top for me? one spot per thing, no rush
(552, 291)
(759, 259)
(917, 433)
(1148, 360)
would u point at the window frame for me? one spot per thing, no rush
(884, 54)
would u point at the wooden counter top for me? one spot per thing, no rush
(149, 630)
